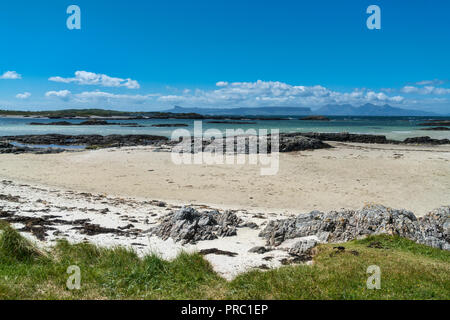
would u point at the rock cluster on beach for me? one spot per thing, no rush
(114, 140)
(340, 226)
(288, 142)
(9, 148)
(257, 144)
(189, 225)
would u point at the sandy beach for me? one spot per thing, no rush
(415, 178)
(113, 197)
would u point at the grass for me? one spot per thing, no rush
(408, 271)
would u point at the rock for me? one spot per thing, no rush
(347, 137)
(425, 140)
(83, 123)
(316, 118)
(57, 123)
(232, 122)
(250, 225)
(96, 123)
(435, 123)
(261, 144)
(170, 125)
(74, 140)
(189, 225)
(433, 229)
(437, 129)
(259, 249)
(300, 143)
(218, 252)
(303, 248)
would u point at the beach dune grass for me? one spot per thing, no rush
(408, 271)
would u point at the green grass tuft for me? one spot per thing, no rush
(408, 271)
(14, 246)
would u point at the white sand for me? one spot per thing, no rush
(349, 176)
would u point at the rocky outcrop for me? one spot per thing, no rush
(254, 144)
(93, 122)
(437, 129)
(115, 140)
(290, 143)
(9, 148)
(170, 125)
(347, 137)
(189, 225)
(432, 229)
(436, 123)
(426, 140)
(367, 138)
(315, 118)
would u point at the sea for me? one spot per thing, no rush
(396, 128)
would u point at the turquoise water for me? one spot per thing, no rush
(397, 128)
(46, 146)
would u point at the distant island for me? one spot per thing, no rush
(327, 110)
(245, 113)
(258, 111)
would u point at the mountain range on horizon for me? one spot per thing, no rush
(327, 110)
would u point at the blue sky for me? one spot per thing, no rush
(150, 55)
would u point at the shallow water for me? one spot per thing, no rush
(47, 146)
(397, 128)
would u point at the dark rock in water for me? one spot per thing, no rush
(347, 137)
(257, 144)
(426, 140)
(189, 225)
(232, 122)
(316, 118)
(95, 123)
(367, 138)
(9, 148)
(114, 140)
(437, 129)
(292, 143)
(170, 125)
(433, 229)
(436, 123)
(58, 123)
(84, 123)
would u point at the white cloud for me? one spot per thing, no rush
(425, 90)
(430, 82)
(90, 78)
(63, 94)
(10, 75)
(262, 93)
(89, 96)
(250, 94)
(23, 96)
